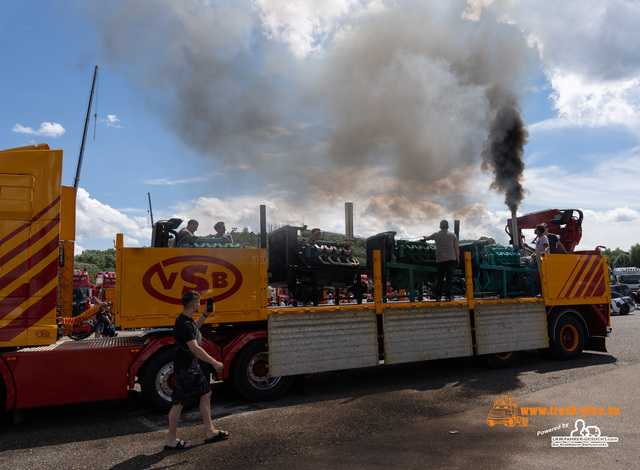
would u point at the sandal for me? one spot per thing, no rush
(218, 437)
(181, 445)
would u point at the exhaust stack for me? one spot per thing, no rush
(263, 226)
(515, 236)
(348, 220)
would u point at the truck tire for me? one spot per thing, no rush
(624, 309)
(569, 338)
(501, 360)
(157, 380)
(249, 374)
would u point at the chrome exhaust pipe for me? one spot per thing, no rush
(348, 220)
(515, 235)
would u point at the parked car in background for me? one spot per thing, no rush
(621, 304)
(621, 289)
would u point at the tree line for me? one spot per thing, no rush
(620, 259)
(94, 261)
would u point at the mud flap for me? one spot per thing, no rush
(596, 343)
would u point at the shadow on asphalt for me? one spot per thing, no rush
(468, 373)
(88, 421)
(140, 462)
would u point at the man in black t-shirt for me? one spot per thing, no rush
(555, 245)
(190, 381)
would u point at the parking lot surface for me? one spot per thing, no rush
(421, 415)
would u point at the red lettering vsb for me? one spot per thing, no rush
(195, 278)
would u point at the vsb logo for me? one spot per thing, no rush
(170, 278)
(42, 334)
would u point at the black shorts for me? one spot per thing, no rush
(189, 383)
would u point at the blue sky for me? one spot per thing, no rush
(217, 107)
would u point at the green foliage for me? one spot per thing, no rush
(621, 259)
(246, 238)
(359, 250)
(94, 261)
(634, 254)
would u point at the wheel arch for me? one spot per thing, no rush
(7, 387)
(556, 315)
(249, 372)
(232, 349)
(159, 344)
(154, 345)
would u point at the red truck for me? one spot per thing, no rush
(82, 291)
(104, 282)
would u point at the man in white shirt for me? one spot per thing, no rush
(542, 244)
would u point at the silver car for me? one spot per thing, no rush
(622, 304)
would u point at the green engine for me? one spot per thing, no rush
(499, 270)
(411, 265)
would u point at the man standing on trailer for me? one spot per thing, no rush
(542, 244)
(190, 381)
(189, 231)
(447, 258)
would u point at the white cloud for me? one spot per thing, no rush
(97, 220)
(304, 26)
(112, 121)
(588, 52)
(77, 249)
(474, 9)
(583, 104)
(47, 129)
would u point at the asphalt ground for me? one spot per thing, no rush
(411, 416)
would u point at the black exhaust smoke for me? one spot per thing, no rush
(503, 151)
